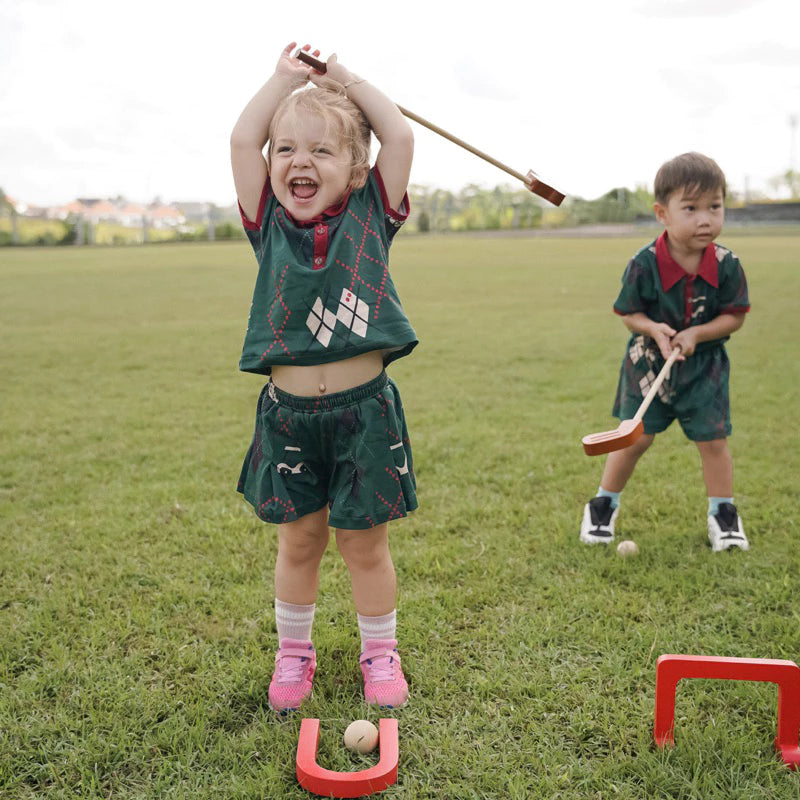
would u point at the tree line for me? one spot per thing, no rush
(507, 208)
(433, 210)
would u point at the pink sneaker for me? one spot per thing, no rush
(384, 682)
(295, 663)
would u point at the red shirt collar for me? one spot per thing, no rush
(670, 271)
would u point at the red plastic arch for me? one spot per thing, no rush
(672, 668)
(329, 783)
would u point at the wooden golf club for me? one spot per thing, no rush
(629, 430)
(530, 180)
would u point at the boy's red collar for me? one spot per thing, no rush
(670, 271)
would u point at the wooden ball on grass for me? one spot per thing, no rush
(627, 547)
(361, 736)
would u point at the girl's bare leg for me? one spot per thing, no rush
(372, 575)
(301, 545)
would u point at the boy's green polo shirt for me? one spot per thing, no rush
(655, 284)
(696, 392)
(323, 291)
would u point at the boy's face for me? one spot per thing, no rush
(692, 221)
(309, 168)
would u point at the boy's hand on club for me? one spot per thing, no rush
(686, 340)
(662, 334)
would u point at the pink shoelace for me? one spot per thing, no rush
(290, 669)
(381, 668)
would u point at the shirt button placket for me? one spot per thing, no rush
(687, 311)
(320, 245)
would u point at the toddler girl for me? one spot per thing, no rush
(331, 446)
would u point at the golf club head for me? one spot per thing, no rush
(543, 190)
(628, 431)
(307, 58)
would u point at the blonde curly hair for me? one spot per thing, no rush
(343, 115)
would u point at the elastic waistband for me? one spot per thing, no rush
(327, 402)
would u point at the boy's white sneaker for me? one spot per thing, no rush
(725, 529)
(597, 526)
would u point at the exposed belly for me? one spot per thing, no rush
(323, 379)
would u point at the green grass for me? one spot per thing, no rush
(136, 633)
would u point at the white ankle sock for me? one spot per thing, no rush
(383, 627)
(294, 622)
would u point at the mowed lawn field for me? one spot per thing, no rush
(136, 630)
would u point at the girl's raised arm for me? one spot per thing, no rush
(251, 131)
(390, 127)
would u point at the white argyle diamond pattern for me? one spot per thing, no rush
(352, 312)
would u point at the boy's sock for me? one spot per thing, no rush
(383, 627)
(714, 504)
(293, 621)
(601, 492)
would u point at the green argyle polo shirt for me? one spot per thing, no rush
(655, 284)
(323, 291)
(696, 392)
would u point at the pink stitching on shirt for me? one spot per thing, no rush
(287, 313)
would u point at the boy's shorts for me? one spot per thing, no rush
(348, 450)
(696, 392)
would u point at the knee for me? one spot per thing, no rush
(638, 448)
(299, 546)
(364, 551)
(716, 448)
(301, 553)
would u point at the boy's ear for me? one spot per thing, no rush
(660, 212)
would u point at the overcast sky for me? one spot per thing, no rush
(100, 98)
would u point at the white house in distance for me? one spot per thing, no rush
(120, 211)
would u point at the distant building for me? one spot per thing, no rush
(196, 212)
(202, 212)
(162, 215)
(130, 214)
(120, 211)
(92, 209)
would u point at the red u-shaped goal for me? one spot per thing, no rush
(672, 668)
(329, 783)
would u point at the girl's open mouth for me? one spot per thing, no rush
(303, 189)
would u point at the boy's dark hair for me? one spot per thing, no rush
(692, 172)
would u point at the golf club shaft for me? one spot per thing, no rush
(656, 384)
(533, 184)
(461, 143)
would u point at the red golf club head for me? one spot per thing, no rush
(307, 58)
(628, 431)
(543, 190)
